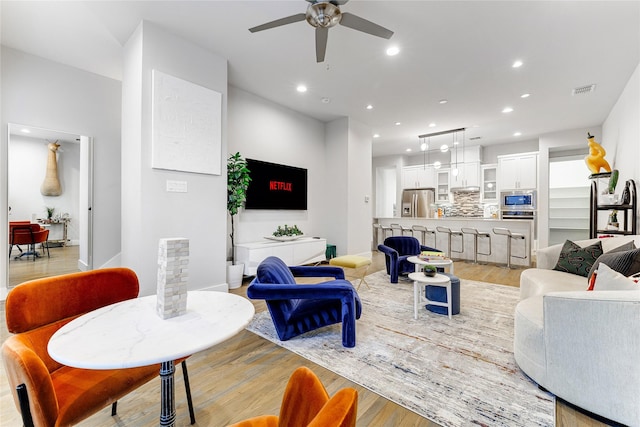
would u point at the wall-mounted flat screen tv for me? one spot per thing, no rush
(275, 186)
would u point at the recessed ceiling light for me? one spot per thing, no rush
(398, 123)
(423, 146)
(525, 95)
(517, 64)
(393, 51)
(25, 130)
(517, 134)
(326, 100)
(408, 150)
(376, 135)
(432, 125)
(507, 109)
(369, 107)
(444, 148)
(301, 88)
(437, 164)
(443, 101)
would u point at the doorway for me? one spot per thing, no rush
(68, 215)
(385, 192)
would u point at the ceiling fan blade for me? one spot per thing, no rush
(279, 22)
(336, 2)
(321, 43)
(355, 22)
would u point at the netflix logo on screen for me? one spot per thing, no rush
(276, 186)
(280, 186)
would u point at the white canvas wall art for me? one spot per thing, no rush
(186, 126)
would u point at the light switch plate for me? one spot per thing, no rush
(176, 186)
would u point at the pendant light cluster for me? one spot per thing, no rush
(425, 143)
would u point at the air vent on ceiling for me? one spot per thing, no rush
(474, 138)
(583, 89)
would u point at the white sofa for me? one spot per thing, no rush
(582, 346)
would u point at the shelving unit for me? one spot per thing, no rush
(626, 212)
(568, 214)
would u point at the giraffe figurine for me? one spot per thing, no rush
(595, 160)
(51, 184)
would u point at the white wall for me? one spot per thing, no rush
(337, 180)
(262, 130)
(149, 212)
(46, 94)
(621, 131)
(359, 189)
(27, 167)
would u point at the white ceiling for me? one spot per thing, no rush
(454, 50)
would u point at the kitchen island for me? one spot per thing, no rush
(498, 242)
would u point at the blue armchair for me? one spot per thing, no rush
(396, 250)
(299, 308)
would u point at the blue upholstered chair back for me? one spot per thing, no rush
(274, 270)
(405, 245)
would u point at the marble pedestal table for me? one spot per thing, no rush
(130, 334)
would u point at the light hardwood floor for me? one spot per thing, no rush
(246, 375)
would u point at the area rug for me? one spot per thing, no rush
(456, 372)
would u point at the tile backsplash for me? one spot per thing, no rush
(466, 203)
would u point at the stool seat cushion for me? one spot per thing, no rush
(350, 261)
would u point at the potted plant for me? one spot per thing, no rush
(238, 180)
(429, 270)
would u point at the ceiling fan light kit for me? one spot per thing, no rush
(323, 15)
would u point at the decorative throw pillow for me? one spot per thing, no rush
(625, 261)
(577, 260)
(608, 279)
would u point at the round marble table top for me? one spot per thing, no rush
(130, 333)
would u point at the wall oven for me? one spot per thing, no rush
(520, 205)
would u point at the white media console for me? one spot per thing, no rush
(305, 250)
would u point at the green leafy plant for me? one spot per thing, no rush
(613, 181)
(287, 231)
(50, 212)
(238, 179)
(429, 270)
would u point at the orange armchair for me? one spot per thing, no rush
(26, 233)
(50, 394)
(306, 403)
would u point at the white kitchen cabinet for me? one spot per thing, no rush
(442, 185)
(518, 171)
(418, 176)
(489, 185)
(468, 175)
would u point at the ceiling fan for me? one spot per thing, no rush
(323, 15)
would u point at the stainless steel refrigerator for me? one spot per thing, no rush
(418, 202)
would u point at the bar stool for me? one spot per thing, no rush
(424, 231)
(385, 229)
(376, 235)
(510, 237)
(450, 233)
(400, 228)
(477, 234)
